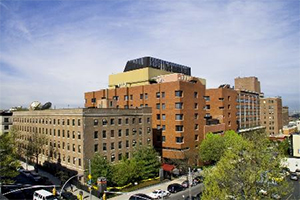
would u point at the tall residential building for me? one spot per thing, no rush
(221, 104)
(271, 114)
(75, 135)
(285, 115)
(5, 121)
(176, 100)
(248, 114)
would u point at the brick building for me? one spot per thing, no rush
(5, 121)
(75, 135)
(271, 114)
(176, 100)
(285, 115)
(221, 104)
(248, 103)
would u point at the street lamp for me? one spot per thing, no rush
(78, 175)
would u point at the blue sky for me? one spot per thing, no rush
(57, 50)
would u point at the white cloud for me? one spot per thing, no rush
(60, 53)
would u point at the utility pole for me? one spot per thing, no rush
(190, 180)
(90, 177)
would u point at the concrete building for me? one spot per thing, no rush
(285, 115)
(5, 121)
(176, 100)
(248, 106)
(271, 114)
(75, 135)
(221, 104)
(296, 145)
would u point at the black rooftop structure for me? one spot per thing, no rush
(156, 63)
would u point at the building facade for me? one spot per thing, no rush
(285, 115)
(248, 103)
(73, 136)
(5, 121)
(271, 114)
(221, 104)
(176, 100)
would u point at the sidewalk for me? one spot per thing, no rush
(56, 181)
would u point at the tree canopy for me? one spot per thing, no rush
(214, 145)
(8, 157)
(248, 171)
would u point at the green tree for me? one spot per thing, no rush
(284, 146)
(147, 161)
(214, 145)
(35, 145)
(8, 157)
(124, 172)
(244, 171)
(100, 167)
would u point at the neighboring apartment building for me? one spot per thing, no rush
(5, 121)
(176, 100)
(221, 104)
(248, 111)
(271, 114)
(295, 140)
(75, 135)
(285, 115)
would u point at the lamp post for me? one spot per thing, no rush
(78, 175)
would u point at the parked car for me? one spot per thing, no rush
(157, 194)
(297, 172)
(140, 196)
(175, 187)
(25, 173)
(294, 177)
(35, 176)
(185, 184)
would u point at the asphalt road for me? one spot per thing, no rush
(296, 191)
(184, 194)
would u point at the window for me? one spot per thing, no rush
(104, 147)
(163, 106)
(93, 100)
(73, 134)
(146, 95)
(163, 116)
(127, 132)
(104, 122)
(116, 98)
(96, 135)
(163, 95)
(126, 107)
(120, 145)
(179, 117)
(79, 162)
(131, 97)
(95, 122)
(163, 127)
(140, 120)
(133, 120)
(196, 116)
(196, 127)
(120, 132)
(195, 94)
(112, 133)
(127, 143)
(79, 149)
(133, 131)
(195, 106)
(112, 145)
(6, 119)
(179, 128)
(179, 105)
(73, 122)
(163, 138)
(148, 129)
(207, 98)
(157, 94)
(140, 131)
(119, 121)
(126, 121)
(141, 96)
(95, 147)
(158, 116)
(126, 97)
(179, 139)
(68, 134)
(112, 121)
(148, 120)
(113, 157)
(104, 134)
(178, 93)
(196, 137)
(157, 106)
(68, 122)
(73, 147)
(207, 107)
(221, 99)
(229, 107)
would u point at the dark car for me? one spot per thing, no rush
(175, 187)
(140, 196)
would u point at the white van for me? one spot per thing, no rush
(43, 195)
